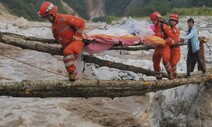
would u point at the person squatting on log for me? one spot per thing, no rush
(193, 55)
(174, 47)
(162, 52)
(67, 30)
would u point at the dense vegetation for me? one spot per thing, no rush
(80, 6)
(107, 19)
(193, 11)
(115, 8)
(28, 8)
(140, 8)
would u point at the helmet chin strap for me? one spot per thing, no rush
(157, 22)
(52, 21)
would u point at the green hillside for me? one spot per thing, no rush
(118, 8)
(146, 7)
(80, 6)
(28, 8)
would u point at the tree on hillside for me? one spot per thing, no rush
(28, 8)
(79, 6)
(200, 3)
(116, 7)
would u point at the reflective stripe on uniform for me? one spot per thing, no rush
(49, 8)
(69, 63)
(68, 57)
(73, 72)
(65, 28)
(79, 31)
(174, 68)
(158, 74)
(168, 67)
(72, 19)
(172, 40)
(62, 19)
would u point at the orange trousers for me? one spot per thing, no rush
(71, 53)
(175, 58)
(164, 54)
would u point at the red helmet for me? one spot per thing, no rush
(174, 17)
(156, 15)
(47, 8)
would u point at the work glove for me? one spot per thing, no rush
(182, 40)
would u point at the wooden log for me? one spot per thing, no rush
(202, 53)
(22, 42)
(50, 41)
(120, 66)
(131, 48)
(135, 48)
(38, 44)
(93, 88)
(53, 49)
(9, 38)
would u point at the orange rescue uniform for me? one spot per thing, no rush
(175, 51)
(65, 29)
(163, 52)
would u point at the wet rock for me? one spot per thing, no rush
(185, 106)
(113, 113)
(21, 23)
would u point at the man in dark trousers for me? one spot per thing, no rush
(193, 55)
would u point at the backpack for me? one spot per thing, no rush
(164, 21)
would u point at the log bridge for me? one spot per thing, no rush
(88, 88)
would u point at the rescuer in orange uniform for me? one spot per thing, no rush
(162, 52)
(67, 30)
(174, 47)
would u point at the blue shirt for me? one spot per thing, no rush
(193, 36)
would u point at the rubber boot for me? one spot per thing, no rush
(170, 76)
(175, 75)
(72, 77)
(158, 76)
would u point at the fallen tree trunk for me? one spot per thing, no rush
(119, 66)
(50, 41)
(34, 44)
(135, 48)
(86, 88)
(93, 88)
(10, 38)
(45, 45)
(39, 43)
(132, 48)
(22, 42)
